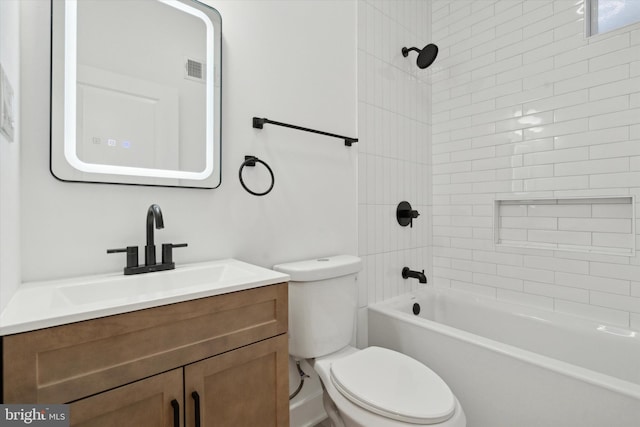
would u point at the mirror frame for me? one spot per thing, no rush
(66, 166)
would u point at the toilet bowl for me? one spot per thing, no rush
(373, 387)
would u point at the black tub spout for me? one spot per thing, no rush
(407, 272)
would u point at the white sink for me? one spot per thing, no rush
(97, 290)
(44, 304)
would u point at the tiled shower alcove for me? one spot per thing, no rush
(603, 225)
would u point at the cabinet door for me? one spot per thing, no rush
(247, 387)
(153, 402)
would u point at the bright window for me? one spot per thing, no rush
(608, 15)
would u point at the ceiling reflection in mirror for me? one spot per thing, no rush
(135, 96)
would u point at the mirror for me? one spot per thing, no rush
(135, 92)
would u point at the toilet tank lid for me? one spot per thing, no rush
(321, 268)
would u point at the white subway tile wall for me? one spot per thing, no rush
(394, 152)
(525, 106)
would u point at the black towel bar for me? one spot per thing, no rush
(258, 123)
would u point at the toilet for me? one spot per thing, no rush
(372, 387)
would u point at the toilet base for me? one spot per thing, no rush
(334, 415)
(306, 409)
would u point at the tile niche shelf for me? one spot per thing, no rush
(598, 225)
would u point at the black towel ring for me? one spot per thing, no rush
(251, 161)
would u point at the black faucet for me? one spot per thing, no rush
(154, 214)
(154, 217)
(406, 273)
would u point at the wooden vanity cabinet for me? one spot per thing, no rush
(222, 359)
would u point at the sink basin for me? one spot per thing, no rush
(144, 286)
(50, 303)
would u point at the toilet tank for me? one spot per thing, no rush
(323, 302)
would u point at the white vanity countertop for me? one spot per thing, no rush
(38, 305)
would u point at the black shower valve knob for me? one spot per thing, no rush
(405, 214)
(411, 214)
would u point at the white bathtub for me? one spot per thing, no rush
(514, 366)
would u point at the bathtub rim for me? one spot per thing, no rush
(391, 308)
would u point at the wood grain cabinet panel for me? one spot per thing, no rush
(144, 403)
(247, 387)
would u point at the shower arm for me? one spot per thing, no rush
(406, 50)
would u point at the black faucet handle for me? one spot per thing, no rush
(132, 255)
(167, 251)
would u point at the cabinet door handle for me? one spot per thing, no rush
(176, 413)
(196, 402)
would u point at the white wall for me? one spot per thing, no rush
(395, 149)
(524, 105)
(291, 61)
(10, 156)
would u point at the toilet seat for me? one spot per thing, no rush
(393, 385)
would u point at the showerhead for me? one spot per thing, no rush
(426, 55)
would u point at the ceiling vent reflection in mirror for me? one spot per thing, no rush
(195, 70)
